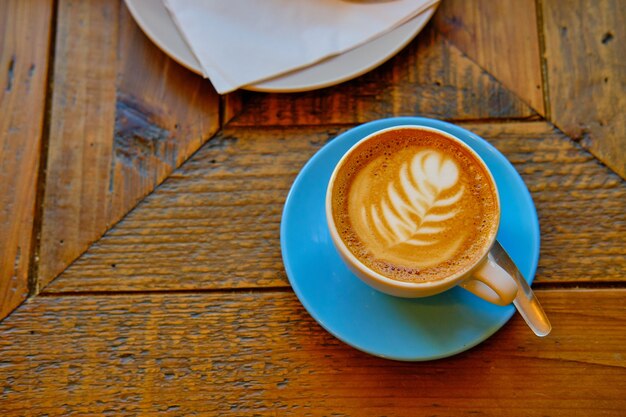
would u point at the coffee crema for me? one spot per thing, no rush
(414, 205)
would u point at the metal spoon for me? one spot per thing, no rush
(526, 303)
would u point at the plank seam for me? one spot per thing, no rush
(221, 111)
(33, 270)
(234, 290)
(543, 286)
(583, 285)
(542, 59)
(232, 124)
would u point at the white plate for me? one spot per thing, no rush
(154, 19)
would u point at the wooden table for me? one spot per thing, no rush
(140, 269)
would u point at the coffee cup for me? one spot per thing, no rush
(414, 211)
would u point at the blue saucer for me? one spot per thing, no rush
(376, 323)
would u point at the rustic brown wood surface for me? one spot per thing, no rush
(23, 73)
(184, 308)
(585, 46)
(123, 117)
(215, 222)
(501, 37)
(242, 353)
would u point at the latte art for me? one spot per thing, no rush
(414, 205)
(409, 212)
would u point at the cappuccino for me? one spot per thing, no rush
(414, 205)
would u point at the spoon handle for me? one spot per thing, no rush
(526, 303)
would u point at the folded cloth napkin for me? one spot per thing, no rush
(241, 42)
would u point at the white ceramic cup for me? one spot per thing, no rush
(485, 278)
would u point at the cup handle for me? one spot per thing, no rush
(492, 283)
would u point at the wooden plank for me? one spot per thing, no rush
(124, 116)
(215, 222)
(500, 37)
(430, 77)
(81, 129)
(585, 45)
(164, 114)
(24, 42)
(260, 353)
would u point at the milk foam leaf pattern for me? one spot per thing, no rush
(429, 181)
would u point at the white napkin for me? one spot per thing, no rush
(241, 42)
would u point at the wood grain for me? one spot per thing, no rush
(585, 47)
(430, 77)
(500, 37)
(199, 354)
(215, 222)
(123, 117)
(24, 43)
